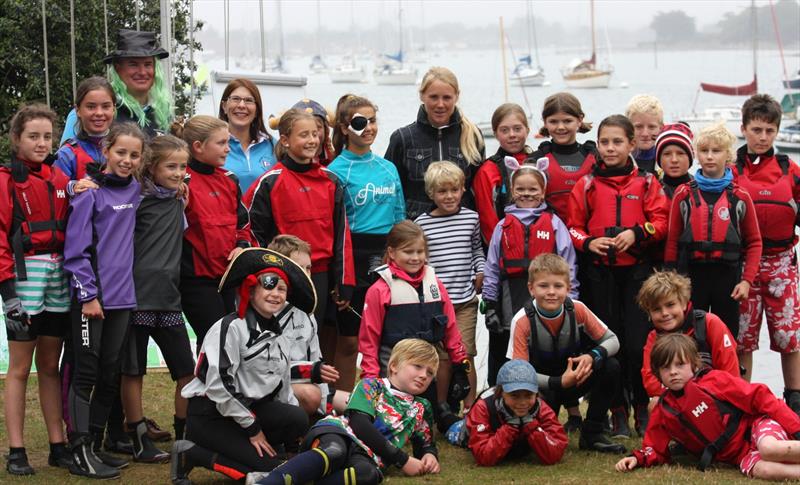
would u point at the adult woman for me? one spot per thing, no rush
(139, 83)
(241, 405)
(441, 132)
(252, 149)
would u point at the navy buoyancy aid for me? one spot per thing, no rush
(775, 206)
(519, 244)
(413, 312)
(548, 353)
(711, 420)
(711, 232)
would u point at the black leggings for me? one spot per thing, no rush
(203, 305)
(97, 347)
(603, 385)
(712, 285)
(613, 292)
(283, 425)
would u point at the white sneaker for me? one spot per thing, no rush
(254, 477)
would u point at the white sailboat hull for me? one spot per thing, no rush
(396, 77)
(347, 76)
(598, 79)
(528, 80)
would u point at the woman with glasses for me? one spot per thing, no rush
(252, 149)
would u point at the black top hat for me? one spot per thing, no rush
(136, 43)
(252, 261)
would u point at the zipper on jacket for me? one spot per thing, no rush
(441, 154)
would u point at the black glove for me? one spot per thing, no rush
(493, 322)
(599, 355)
(17, 318)
(459, 381)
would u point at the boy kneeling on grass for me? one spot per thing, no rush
(717, 417)
(571, 349)
(511, 420)
(665, 298)
(383, 414)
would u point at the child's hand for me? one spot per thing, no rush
(624, 240)
(341, 304)
(83, 185)
(741, 291)
(652, 404)
(261, 445)
(183, 192)
(234, 252)
(92, 309)
(328, 373)
(627, 464)
(430, 463)
(570, 376)
(600, 245)
(584, 368)
(479, 283)
(413, 467)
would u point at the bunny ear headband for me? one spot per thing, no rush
(540, 167)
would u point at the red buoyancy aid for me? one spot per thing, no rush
(712, 421)
(711, 232)
(622, 205)
(519, 243)
(560, 183)
(82, 158)
(39, 212)
(776, 208)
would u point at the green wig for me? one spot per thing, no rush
(160, 99)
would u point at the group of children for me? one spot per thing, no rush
(120, 236)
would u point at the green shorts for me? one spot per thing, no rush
(46, 288)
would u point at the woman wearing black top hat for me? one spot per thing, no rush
(243, 416)
(139, 82)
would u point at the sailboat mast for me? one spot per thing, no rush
(400, 27)
(594, 54)
(503, 53)
(755, 39)
(528, 24)
(319, 29)
(535, 43)
(280, 34)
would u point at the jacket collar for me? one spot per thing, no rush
(422, 119)
(201, 167)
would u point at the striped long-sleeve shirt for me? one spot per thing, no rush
(455, 251)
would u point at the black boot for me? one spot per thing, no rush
(117, 443)
(180, 464)
(17, 462)
(792, 399)
(143, 448)
(641, 416)
(108, 459)
(444, 417)
(593, 439)
(179, 425)
(60, 455)
(85, 463)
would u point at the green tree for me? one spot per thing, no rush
(673, 26)
(22, 77)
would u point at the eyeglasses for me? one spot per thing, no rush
(238, 99)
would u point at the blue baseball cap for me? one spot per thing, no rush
(516, 375)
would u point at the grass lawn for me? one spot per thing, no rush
(457, 465)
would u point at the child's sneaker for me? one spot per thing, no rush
(17, 463)
(86, 464)
(573, 424)
(792, 399)
(60, 456)
(619, 423)
(641, 416)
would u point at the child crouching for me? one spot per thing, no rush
(693, 412)
(383, 414)
(512, 420)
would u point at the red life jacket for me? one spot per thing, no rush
(212, 219)
(705, 417)
(711, 233)
(519, 244)
(616, 208)
(560, 182)
(774, 201)
(82, 158)
(39, 212)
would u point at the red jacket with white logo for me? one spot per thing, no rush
(217, 221)
(774, 187)
(692, 220)
(519, 243)
(544, 435)
(560, 182)
(754, 400)
(306, 201)
(33, 201)
(603, 205)
(720, 342)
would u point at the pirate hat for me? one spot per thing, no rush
(252, 262)
(136, 43)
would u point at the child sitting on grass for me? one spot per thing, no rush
(382, 416)
(665, 298)
(512, 420)
(693, 412)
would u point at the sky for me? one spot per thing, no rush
(301, 15)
